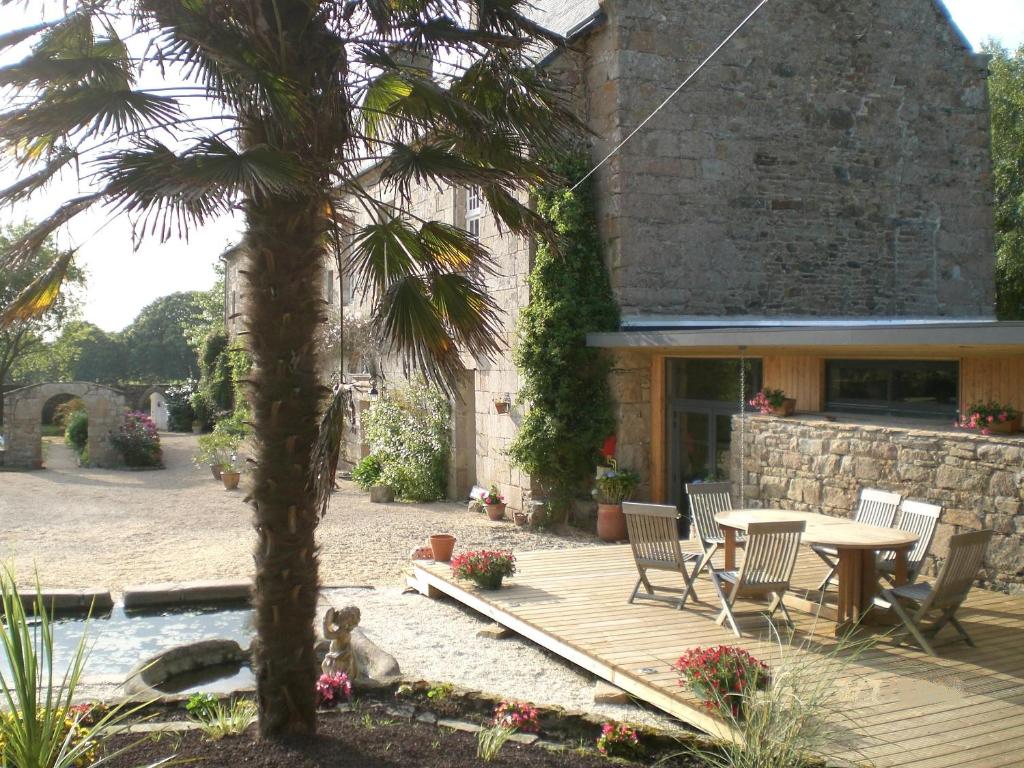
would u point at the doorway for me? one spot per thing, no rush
(702, 396)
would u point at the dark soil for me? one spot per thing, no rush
(352, 740)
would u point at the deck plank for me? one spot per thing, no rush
(964, 708)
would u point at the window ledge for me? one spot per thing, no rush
(844, 421)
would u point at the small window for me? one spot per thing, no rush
(908, 388)
(474, 211)
(329, 288)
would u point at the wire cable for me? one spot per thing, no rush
(672, 95)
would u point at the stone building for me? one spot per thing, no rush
(811, 213)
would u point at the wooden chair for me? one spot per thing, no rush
(654, 539)
(955, 579)
(706, 501)
(920, 518)
(873, 508)
(767, 567)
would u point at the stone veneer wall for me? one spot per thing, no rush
(812, 464)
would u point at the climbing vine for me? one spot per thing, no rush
(565, 382)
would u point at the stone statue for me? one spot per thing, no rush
(338, 626)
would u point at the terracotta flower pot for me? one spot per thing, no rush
(611, 523)
(786, 409)
(495, 512)
(1004, 427)
(442, 545)
(520, 518)
(230, 479)
(215, 471)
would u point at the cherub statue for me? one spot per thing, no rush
(338, 626)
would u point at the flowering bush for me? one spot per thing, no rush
(366, 473)
(615, 486)
(137, 441)
(982, 416)
(493, 496)
(331, 688)
(88, 713)
(71, 731)
(409, 431)
(486, 568)
(768, 400)
(619, 740)
(517, 714)
(721, 676)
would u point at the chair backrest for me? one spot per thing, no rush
(706, 501)
(653, 534)
(769, 557)
(955, 579)
(877, 507)
(921, 518)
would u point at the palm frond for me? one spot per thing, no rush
(18, 252)
(39, 295)
(15, 36)
(468, 312)
(327, 449)
(445, 248)
(383, 252)
(87, 108)
(517, 216)
(434, 161)
(23, 188)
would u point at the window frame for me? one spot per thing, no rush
(474, 211)
(890, 407)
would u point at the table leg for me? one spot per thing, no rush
(846, 596)
(729, 534)
(900, 568)
(869, 582)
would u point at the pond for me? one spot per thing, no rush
(119, 641)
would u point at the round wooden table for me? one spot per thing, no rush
(856, 544)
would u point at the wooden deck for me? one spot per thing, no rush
(964, 709)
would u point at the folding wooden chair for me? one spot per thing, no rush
(654, 539)
(874, 508)
(766, 570)
(922, 519)
(955, 579)
(706, 501)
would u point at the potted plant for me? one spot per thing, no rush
(441, 547)
(991, 417)
(494, 504)
(231, 472)
(366, 474)
(610, 490)
(215, 451)
(485, 568)
(722, 677)
(774, 401)
(502, 404)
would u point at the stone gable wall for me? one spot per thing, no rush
(819, 466)
(833, 159)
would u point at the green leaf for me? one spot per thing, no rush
(40, 294)
(381, 97)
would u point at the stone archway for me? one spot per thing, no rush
(23, 421)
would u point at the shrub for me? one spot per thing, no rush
(202, 410)
(216, 448)
(619, 740)
(218, 720)
(490, 740)
(64, 411)
(179, 406)
(409, 431)
(76, 433)
(616, 486)
(565, 382)
(137, 441)
(366, 473)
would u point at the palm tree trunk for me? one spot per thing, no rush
(283, 275)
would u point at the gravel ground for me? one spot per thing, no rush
(90, 527)
(107, 528)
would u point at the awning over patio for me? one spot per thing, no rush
(877, 335)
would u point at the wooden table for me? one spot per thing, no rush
(856, 544)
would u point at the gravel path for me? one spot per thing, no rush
(90, 527)
(95, 527)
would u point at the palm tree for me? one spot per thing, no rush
(274, 108)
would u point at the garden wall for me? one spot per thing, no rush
(816, 465)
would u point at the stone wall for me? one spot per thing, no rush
(23, 409)
(811, 464)
(833, 159)
(631, 387)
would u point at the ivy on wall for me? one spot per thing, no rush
(565, 382)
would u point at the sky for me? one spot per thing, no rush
(122, 281)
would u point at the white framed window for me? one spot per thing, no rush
(474, 211)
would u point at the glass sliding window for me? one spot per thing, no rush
(907, 388)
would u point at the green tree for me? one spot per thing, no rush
(286, 103)
(85, 352)
(157, 342)
(565, 382)
(1006, 96)
(25, 339)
